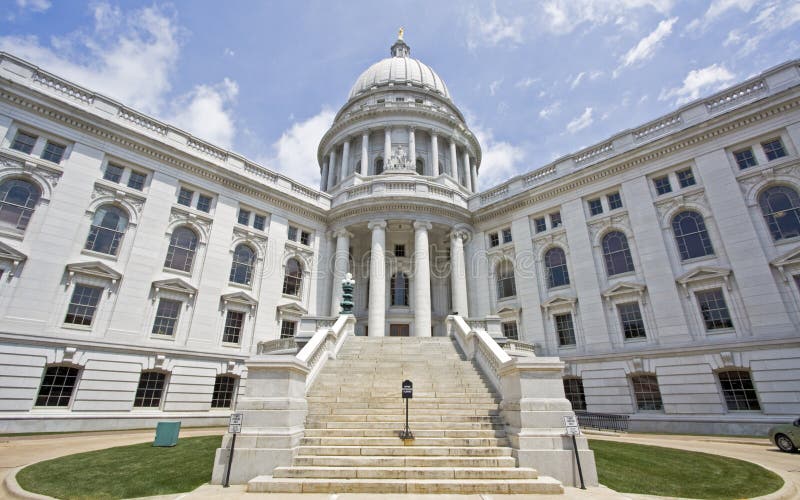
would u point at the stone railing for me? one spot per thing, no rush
(325, 343)
(515, 346)
(272, 346)
(533, 403)
(735, 95)
(62, 87)
(410, 185)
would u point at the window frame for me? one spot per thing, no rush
(227, 326)
(230, 397)
(170, 256)
(163, 390)
(562, 336)
(160, 320)
(72, 391)
(622, 321)
(662, 185)
(685, 242)
(705, 322)
(640, 400)
(581, 394)
(296, 280)
(725, 392)
(595, 206)
(774, 153)
(94, 308)
(502, 280)
(745, 162)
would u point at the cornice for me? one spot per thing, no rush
(404, 209)
(121, 137)
(636, 157)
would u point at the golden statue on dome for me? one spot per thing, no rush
(400, 33)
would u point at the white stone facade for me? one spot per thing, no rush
(420, 239)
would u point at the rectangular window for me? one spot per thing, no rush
(136, 180)
(631, 319)
(23, 142)
(167, 317)
(646, 392)
(399, 99)
(662, 185)
(244, 217)
(506, 235)
(510, 330)
(53, 152)
(292, 235)
(185, 197)
(399, 250)
(745, 158)
(713, 309)
(204, 203)
(614, 201)
(288, 329)
(259, 222)
(540, 224)
(595, 207)
(773, 149)
(565, 329)
(150, 390)
(113, 173)
(305, 237)
(57, 386)
(686, 178)
(224, 387)
(494, 239)
(233, 327)
(738, 391)
(573, 390)
(83, 305)
(555, 220)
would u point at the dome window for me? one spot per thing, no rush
(378, 166)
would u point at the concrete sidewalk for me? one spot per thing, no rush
(18, 451)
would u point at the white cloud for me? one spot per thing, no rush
(717, 9)
(494, 29)
(772, 18)
(500, 160)
(563, 16)
(527, 82)
(580, 122)
(295, 153)
(229, 52)
(711, 77)
(34, 5)
(648, 45)
(494, 86)
(550, 110)
(577, 80)
(206, 112)
(130, 57)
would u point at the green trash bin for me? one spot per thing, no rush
(167, 433)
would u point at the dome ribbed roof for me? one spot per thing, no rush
(399, 69)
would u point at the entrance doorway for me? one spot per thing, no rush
(398, 330)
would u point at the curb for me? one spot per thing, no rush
(14, 490)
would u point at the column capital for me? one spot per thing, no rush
(422, 225)
(375, 224)
(434, 132)
(341, 233)
(457, 234)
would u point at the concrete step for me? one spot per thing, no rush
(269, 484)
(329, 399)
(402, 461)
(397, 417)
(428, 451)
(424, 433)
(379, 408)
(324, 423)
(344, 409)
(395, 441)
(406, 472)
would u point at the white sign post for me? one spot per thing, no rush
(234, 427)
(573, 429)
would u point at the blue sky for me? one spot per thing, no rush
(536, 80)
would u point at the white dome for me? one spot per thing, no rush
(399, 70)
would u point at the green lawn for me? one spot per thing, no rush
(652, 470)
(125, 472)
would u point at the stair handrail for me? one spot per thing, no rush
(324, 344)
(479, 345)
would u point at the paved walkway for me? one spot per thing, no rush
(23, 450)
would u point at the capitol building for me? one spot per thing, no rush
(142, 269)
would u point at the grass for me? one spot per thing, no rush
(653, 470)
(125, 472)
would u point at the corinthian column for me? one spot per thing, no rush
(458, 275)
(435, 154)
(387, 147)
(473, 169)
(332, 180)
(467, 173)
(341, 261)
(453, 160)
(377, 280)
(323, 181)
(365, 153)
(412, 148)
(422, 280)
(345, 160)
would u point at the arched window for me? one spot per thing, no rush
(505, 280)
(242, 267)
(442, 167)
(691, 235)
(182, 248)
(358, 166)
(555, 263)
(399, 287)
(378, 166)
(781, 208)
(420, 166)
(616, 253)
(293, 279)
(17, 202)
(108, 227)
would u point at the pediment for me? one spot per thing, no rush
(94, 268)
(292, 309)
(791, 257)
(507, 310)
(704, 273)
(240, 298)
(626, 287)
(176, 285)
(9, 253)
(559, 301)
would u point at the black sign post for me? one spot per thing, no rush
(234, 427)
(408, 393)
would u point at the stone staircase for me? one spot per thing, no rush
(355, 415)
